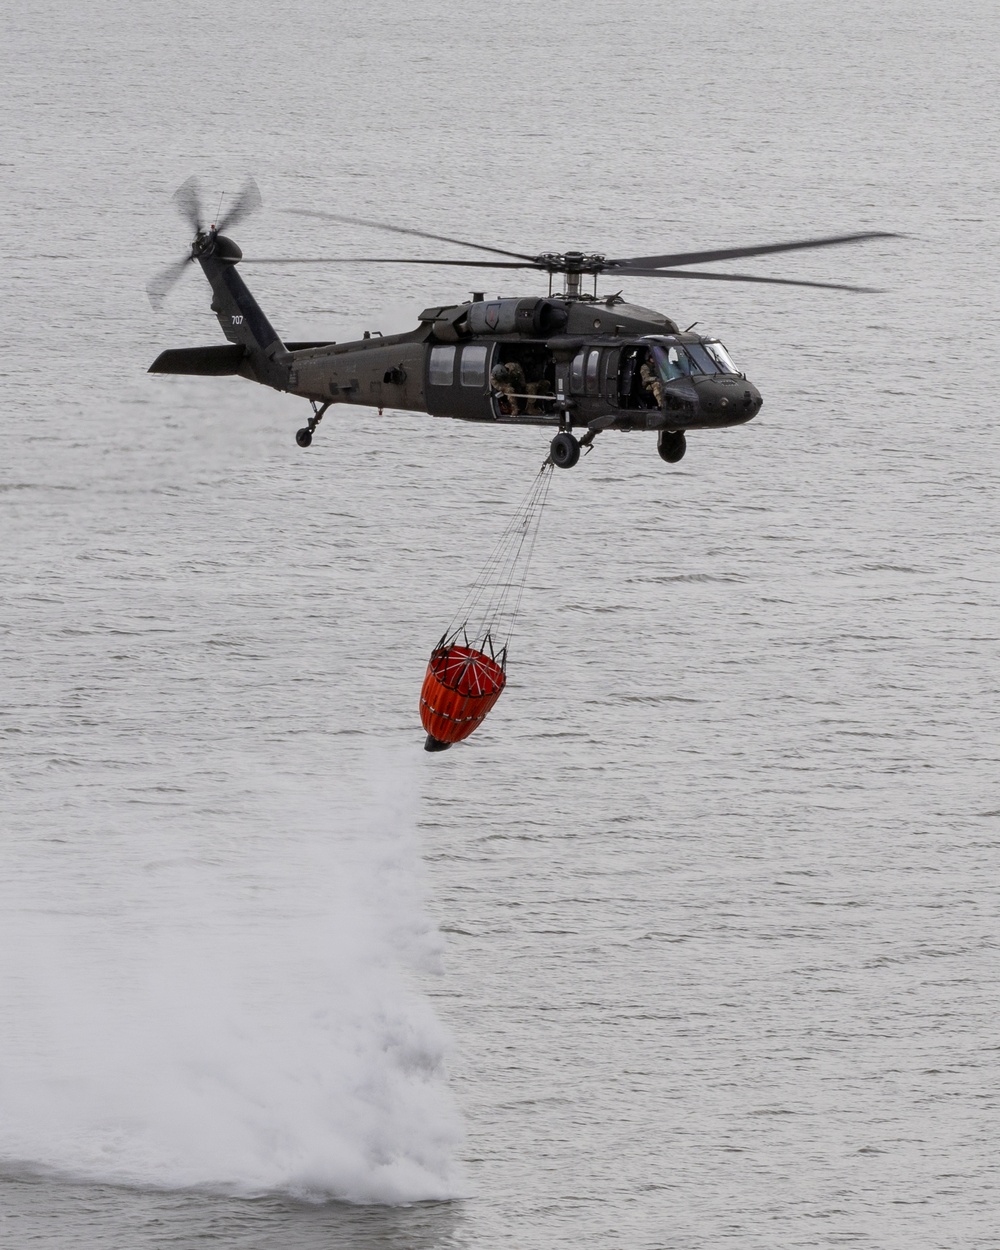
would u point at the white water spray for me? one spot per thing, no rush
(182, 1007)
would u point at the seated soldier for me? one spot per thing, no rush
(652, 383)
(540, 392)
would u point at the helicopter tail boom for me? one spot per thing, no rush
(244, 323)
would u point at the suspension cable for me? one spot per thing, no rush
(487, 615)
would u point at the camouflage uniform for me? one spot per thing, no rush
(508, 380)
(500, 381)
(651, 381)
(541, 392)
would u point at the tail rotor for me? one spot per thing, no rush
(187, 199)
(188, 202)
(246, 201)
(160, 284)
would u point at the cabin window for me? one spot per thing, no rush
(594, 371)
(576, 373)
(442, 366)
(611, 375)
(473, 367)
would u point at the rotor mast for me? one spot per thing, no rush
(574, 265)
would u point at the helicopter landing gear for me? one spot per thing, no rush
(671, 445)
(564, 450)
(304, 437)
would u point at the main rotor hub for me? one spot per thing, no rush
(572, 262)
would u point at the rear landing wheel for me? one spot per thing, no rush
(564, 450)
(304, 437)
(671, 444)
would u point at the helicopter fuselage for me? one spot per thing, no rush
(569, 379)
(564, 361)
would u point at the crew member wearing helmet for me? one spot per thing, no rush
(508, 382)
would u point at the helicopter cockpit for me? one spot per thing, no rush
(676, 371)
(681, 360)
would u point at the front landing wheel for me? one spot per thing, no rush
(671, 444)
(564, 450)
(304, 437)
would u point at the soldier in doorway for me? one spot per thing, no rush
(651, 381)
(540, 392)
(508, 382)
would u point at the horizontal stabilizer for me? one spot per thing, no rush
(213, 362)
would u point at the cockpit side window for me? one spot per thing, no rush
(673, 363)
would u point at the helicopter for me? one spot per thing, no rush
(569, 360)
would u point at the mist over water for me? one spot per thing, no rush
(239, 1013)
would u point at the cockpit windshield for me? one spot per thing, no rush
(681, 360)
(721, 357)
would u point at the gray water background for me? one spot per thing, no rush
(695, 942)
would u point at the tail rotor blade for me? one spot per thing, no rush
(247, 201)
(187, 198)
(160, 284)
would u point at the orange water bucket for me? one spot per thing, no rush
(460, 687)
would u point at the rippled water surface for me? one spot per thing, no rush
(695, 942)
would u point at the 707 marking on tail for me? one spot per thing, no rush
(237, 321)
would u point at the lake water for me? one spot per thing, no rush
(694, 943)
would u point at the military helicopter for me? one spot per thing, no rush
(569, 360)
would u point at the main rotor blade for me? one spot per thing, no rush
(740, 277)
(419, 234)
(187, 199)
(387, 260)
(247, 201)
(731, 253)
(158, 286)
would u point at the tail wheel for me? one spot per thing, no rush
(671, 445)
(564, 450)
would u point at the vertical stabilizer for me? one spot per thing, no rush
(242, 318)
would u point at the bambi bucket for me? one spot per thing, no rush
(460, 688)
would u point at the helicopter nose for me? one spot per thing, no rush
(730, 400)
